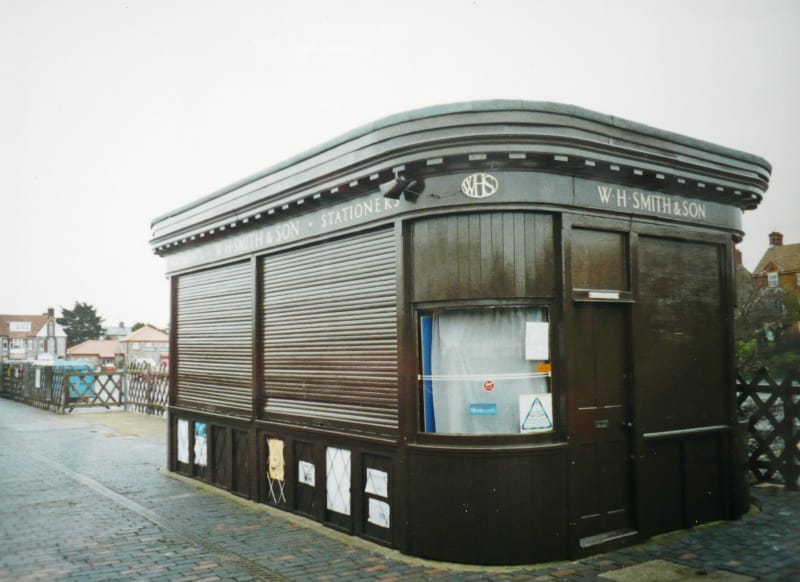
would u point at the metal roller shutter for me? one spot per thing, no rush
(330, 340)
(214, 334)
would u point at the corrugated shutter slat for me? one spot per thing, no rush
(330, 341)
(214, 330)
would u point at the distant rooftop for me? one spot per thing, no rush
(22, 326)
(118, 330)
(786, 258)
(146, 334)
(98, 348)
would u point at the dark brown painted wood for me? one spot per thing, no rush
(682, 380)
(370, 530)
(493, 254)
(241, 464)
(600, 421)
(680, 362)
(257, 335)
(661, 478)
(409, 402)
(305, 498)
(220, 455)
(599, 260)
(495, 507)
(173, 373)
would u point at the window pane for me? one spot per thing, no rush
(772, 279)
(486, 371)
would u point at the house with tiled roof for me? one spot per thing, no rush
(97, 352)
(117, 332)
(780, 265)
(146, 344)
(31, 337)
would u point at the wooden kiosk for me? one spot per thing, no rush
(497, 332)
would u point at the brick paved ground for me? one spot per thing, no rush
(82, 501)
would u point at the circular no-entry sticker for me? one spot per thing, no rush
(488, 385)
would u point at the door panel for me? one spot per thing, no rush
(599, 420)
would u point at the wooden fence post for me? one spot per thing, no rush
(149, 392)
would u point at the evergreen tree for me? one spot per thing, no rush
(81, 323)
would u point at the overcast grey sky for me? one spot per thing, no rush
(113, 112)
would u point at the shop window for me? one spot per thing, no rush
(486, 371)
(772, 279)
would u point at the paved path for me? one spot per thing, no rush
(83, 497)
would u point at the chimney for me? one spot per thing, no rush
(775, 239)
(737, 255)
(51, 311)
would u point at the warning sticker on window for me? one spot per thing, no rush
(535, 413)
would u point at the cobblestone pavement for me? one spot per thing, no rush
(80, 500)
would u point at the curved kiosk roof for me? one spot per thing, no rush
(475, 332)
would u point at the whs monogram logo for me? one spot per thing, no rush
(479, 185)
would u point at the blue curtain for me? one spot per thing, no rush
(427, 385)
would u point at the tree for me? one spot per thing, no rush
(766, 327)
(81, 323)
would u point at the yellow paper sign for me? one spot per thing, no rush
(276, 463)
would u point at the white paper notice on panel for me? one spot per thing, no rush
(337, 463)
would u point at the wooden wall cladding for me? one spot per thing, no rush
(462, 505)
(599, 260)
(661, 483)
(241, 463)
(683, 483)
(491, 254)
(680, 354)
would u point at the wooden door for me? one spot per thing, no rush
(600, 424)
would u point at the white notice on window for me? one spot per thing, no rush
(379, 513)
(183, 441)
(377, 482)
(337, 463)
(305, 473)
(200, 444)
(537, 341)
